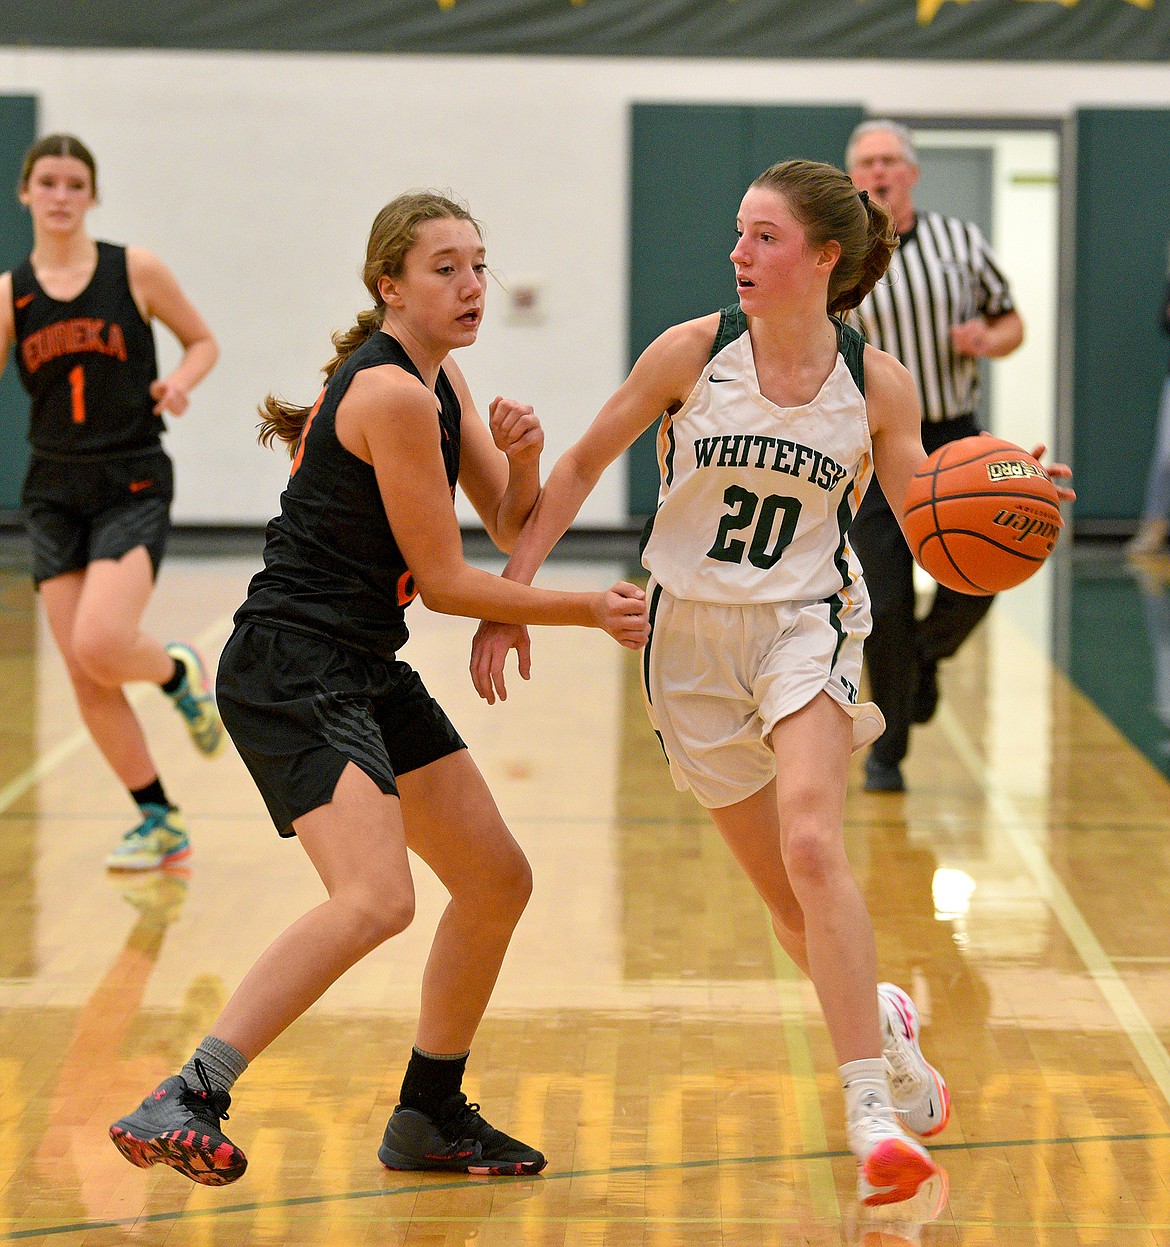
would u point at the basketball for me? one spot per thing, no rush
(981, 515)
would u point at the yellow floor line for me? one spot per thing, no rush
(1050, 888)
(819, 1173)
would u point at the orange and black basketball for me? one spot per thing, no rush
(981, 515)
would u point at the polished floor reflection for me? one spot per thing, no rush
(1119, 644)
(647, 1032)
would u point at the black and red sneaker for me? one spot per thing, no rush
(458, 1140)
(178, 1125)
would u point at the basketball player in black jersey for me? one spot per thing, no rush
(348, 749)
(97, 497)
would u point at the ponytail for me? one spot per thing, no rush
(281, 421)
(829, 206)
(881, 241)
(368, 323)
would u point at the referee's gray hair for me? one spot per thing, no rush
(885, 126)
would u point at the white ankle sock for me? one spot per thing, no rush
(866, 1086)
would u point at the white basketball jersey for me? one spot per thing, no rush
(755, 499)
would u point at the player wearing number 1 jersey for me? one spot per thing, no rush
(87, 363)
(772, 414)
(96, 500)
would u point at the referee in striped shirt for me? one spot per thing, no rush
(942, 306)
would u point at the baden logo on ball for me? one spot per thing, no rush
(981, 515)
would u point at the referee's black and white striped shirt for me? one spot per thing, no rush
(943, 273)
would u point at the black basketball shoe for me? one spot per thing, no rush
(458, 1139)
(178, 1125)
(925, 700)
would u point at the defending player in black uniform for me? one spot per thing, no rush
(348, 749)
(97, 497)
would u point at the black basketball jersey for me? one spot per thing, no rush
(331, 564)
(87, 364)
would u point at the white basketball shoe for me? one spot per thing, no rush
(891, 1166)
(917, 1089)
(901, 1224)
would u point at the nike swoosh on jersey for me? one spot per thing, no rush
(138, 486)
(719, 380)
(24, 300)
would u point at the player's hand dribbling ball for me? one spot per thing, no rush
(981, 515)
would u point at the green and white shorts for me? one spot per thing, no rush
(718, 678)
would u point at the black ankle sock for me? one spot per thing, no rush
(431, 1080)
(151, 794)
(176, 681)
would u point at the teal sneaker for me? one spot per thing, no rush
(159, 840)
(157, 895)
(194, 701)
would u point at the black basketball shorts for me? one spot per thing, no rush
(299, 707)
(79, 510)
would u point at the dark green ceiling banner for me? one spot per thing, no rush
(1054, 30)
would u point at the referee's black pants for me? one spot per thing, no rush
(899, 642)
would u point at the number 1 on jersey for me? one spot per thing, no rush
(77, 393)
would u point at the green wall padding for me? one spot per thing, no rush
(1121, 355)
(689, 167)
(18, 124)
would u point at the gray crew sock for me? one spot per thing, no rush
(221, 1063)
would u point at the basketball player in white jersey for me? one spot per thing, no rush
(775, 416)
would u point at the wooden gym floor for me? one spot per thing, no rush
(647, 1033)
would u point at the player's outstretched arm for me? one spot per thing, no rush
(895, 422)
(388, 419)
(557, 506)
(659, 382)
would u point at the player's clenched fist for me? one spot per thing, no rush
(623, 614)
(515, 429)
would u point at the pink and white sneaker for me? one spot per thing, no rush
(891, 1166)
(901, 1224)
(917, 1089)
